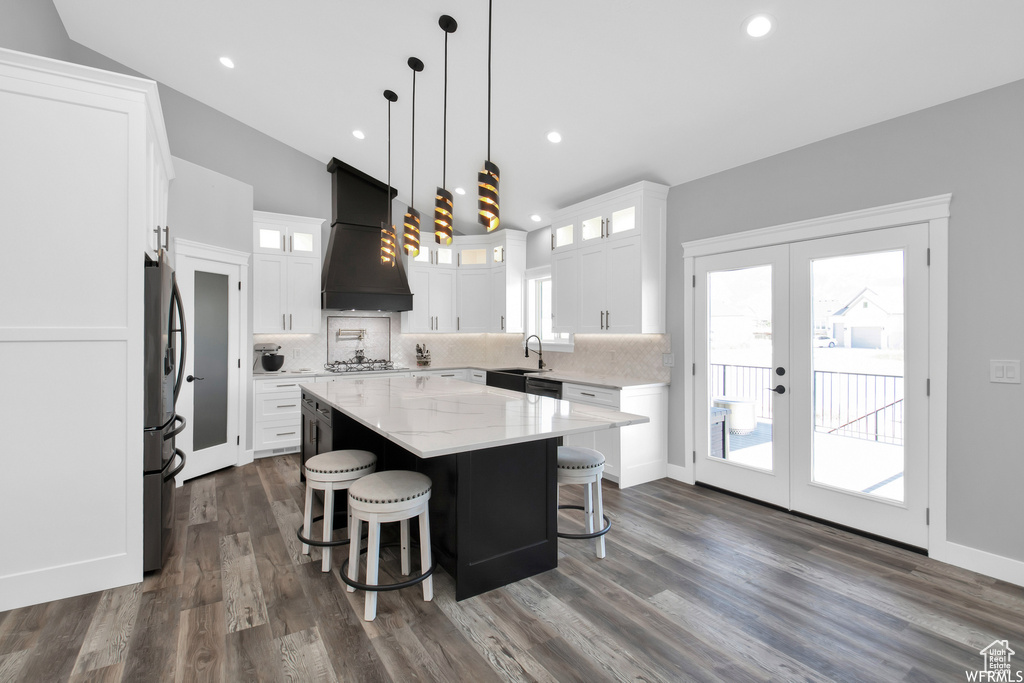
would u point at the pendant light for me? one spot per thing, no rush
(487, 179)
(388, 252)
(443, 208)
(411, 236)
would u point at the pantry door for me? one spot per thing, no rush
(742, 408)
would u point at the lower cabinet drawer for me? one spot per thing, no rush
(277, 406)
(277, 434)
(478, 376)
(582, 393)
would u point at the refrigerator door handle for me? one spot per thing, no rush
(177, 470)
(177, 430)
(176, 294)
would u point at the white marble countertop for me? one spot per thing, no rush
(604, 380)
(434, 416)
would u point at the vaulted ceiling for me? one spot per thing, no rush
(662, 90)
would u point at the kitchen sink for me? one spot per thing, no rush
(521, 371)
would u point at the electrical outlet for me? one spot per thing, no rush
(668, 360)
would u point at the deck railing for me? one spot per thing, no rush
(853, 404)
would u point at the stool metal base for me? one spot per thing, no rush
(602, 532)
(318, 544)
(378, 588)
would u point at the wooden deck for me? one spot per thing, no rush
(697, 585)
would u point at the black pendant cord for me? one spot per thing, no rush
(389, 164)
(412, 180)
(490, 12)
(444, 136)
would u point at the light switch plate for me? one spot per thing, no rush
(668, 360)
(1004, 371)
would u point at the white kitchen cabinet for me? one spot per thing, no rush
(286, 279)
(508, 278)
(476, 376)
(277, 415)
(84, 173)
(475, 300)
(278, 233)
(565, 290)
(617, 282)
(635, 454)
(433, 282)
(451, 373)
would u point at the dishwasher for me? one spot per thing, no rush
(543, 387)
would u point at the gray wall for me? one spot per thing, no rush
(973, 148)
(284, 180)
(538, 248)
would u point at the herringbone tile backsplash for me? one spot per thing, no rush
(629, 355)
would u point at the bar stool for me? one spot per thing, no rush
(330, 472)
(391, 496)
(578, 465)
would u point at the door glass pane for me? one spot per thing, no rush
(624, 219)
(270, 239)
(563, 236)
(474, 257)
(444, 256)
(739, 365)
(592, 228)
(302, 241)
(857, 352)
(210, 416)
(424, 255)
(499, 254)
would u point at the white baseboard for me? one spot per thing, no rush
(680, 473)
(66, 581)
(981, 561)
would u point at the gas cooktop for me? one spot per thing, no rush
(360, 364)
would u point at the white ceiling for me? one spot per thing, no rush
(662, 90)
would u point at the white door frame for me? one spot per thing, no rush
(239, 260)
(931, 210)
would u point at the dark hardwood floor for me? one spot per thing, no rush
(697, 585)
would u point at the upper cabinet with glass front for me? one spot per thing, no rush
(617, 284)
(275, 233)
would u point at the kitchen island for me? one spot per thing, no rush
(491, 455)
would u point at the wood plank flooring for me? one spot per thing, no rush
(697, 586)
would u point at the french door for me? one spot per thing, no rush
(811, 367)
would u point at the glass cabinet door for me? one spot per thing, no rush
(562, 236)
(271, 239)
(301, 242)
(592, 228)
(622, 221)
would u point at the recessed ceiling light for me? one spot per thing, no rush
(358, 134)
(459, 190)
(535, 218)
(759, 25)
(226, 61)
(554, 136)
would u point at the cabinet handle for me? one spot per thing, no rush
(458, 323)
(312, 431)
(502, 323)
(288, 405)
(289, 321)
(283, 248)
(291, 243)
(167, 238)
(552, 241)
(590, 395)
(157, 231)
(607, 320)
(451, 375)
(284, 322)
(323, 412)
(284, 433)
(602, 320)
(281, 386)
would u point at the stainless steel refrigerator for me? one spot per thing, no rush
(165, 362)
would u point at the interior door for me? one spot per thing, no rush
(209, 397)
(742, 438)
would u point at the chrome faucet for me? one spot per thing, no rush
(540, 361)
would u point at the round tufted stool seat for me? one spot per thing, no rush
(330, 472)
(391, 496)
(579, 465)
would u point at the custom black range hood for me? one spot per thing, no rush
(353, 276)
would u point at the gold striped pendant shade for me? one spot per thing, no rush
(488, 199)
(411, 236)
(443, 218)
(387, 245)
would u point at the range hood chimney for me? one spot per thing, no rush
(353, 276)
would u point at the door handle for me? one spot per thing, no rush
(192, 378)
(779, 389)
